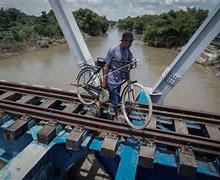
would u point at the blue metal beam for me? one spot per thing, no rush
(191, 51)
(34, 161)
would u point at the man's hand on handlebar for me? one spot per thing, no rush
(134, 63)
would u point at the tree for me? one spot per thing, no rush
(173, 28)
(90, 22)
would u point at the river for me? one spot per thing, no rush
(55, 67)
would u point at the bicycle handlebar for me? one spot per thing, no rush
(129, 64)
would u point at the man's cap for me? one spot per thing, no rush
(127, 36)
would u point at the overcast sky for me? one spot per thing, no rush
(113, 9)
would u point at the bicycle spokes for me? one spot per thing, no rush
(88, 86)
(135, 114)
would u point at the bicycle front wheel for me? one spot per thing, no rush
(134, 108)
(88, 85)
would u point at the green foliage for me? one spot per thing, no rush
(17, 27)
(11, 26)
(126, 24)
(112, 23)
(46, 25)
(170, 29)
(90, 22)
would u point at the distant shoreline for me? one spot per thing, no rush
(42, 43)
(25, 48)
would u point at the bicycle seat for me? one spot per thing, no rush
(100, 62)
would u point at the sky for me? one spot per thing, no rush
(112, 9)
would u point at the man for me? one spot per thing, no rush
(117, 57)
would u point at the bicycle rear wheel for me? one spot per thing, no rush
(134, 109)
(88, 85)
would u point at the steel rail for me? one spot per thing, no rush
(179, 114)
(67, 96)
(36, 87)
(199, 143)
(198, 116)
(27, 89)
(184, 110)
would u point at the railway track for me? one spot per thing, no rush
(68, 96)
(45, 104)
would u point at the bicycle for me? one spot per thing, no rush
(89, 90)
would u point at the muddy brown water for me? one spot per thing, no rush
(55, 67)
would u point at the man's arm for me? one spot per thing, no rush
(105, 75)
(108, 60)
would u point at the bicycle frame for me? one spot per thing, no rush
(90, 80)
(123, 82)
(93, 90)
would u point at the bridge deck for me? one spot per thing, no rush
(189, 132)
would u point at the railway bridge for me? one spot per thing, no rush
(46, 133)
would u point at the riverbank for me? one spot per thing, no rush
(16, 49)
(210, 59)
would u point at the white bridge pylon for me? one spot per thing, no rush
(71, 32)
